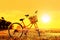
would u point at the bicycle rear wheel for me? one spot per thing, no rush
(15, 30)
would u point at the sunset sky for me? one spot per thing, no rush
(13, 10)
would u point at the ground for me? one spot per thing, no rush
(31, 35)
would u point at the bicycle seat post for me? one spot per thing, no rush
(22, 21)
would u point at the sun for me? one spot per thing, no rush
(45, 18)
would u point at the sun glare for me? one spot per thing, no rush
(45, 18)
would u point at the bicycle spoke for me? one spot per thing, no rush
(16, 30)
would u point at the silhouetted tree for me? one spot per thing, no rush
(4, 24)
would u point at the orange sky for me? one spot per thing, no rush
(13, 10)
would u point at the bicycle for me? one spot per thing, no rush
(19, 30)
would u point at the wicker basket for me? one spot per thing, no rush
(33, 19)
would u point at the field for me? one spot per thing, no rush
(31, 35)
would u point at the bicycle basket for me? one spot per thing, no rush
(33, 19)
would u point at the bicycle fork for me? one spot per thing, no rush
(37, 29)
(38, 32)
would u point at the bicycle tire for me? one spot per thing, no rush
(9, 28)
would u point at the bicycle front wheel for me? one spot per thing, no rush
(15, 30)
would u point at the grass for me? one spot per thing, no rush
(31, 35)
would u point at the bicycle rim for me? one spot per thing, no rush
(15, 30)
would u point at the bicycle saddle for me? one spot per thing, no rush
(27, 15)
(21, 19)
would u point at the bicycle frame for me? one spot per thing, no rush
(26, 26)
